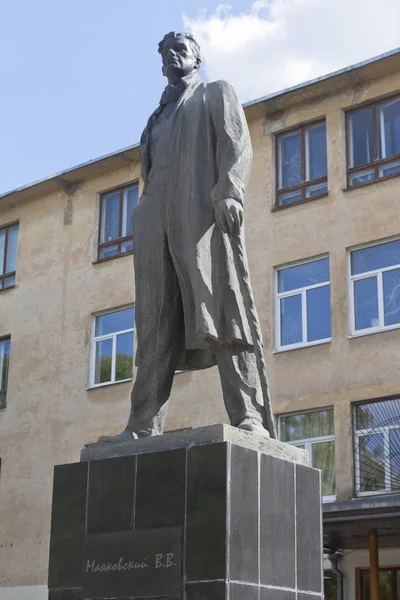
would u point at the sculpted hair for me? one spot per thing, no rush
(188, 36)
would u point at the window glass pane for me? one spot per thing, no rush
(319, 313)
(394, 444)
(385, 585)
(389, 128)
(303, 275)
(9, 281)
(363, 177)
(291, 321)
(398, 583)
(372, 462)
(290, 159)
(390, 169)
(361, 137)
(113, 322)
(316, 190)
(316, 163)
(4, 362)
(290, 198)
(316, 423)
(2, 246)
(391, 296)
(110, 217)
(109, 251)
(375, 257)
(366, 303)
(124, 361)
(330, 586)
(103, 362)
(12, 244)
(323, 457)
(130, 201)
(126, 246)
(384, 413)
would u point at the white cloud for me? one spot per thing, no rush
(278, 43)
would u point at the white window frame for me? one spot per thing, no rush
(359, 433)
(353, 332)
(303, 290)
(309, 442)
(99, 338)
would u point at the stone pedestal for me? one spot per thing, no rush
(206, 514)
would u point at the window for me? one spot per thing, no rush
(115, 232)
(375, 287)
(377, 447)
(112, 350)
(301, 164)
(330, 586)
(389, 584)
(313, 431)
(8, 255)
(303, 304)
(4, 363)
(373, 142)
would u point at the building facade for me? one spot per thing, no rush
(323, 238)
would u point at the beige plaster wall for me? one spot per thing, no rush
(51, 413)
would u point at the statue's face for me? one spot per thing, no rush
(178, 58)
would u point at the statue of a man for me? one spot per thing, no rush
(190, 308)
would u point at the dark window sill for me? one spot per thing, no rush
(368, 183)
(102, 260)
(306, 201)
(11, 287)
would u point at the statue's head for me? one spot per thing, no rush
(180, 54)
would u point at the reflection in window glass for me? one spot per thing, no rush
(304, 275)
(377, 297)
(377, 446)
(313, 431)
(113, 346)
(375, 257)
(103, 361)
(318, 313)
(387, 584)
(290, 159)
(110, 217)
(316, 157)
(119, 320)
(291, 320)
(391, 296)
(389, 128)
(372, 455)
(323, 457)
(116, 221)
(304, 294)
(124, 359)
(361, 137)
(366, 303)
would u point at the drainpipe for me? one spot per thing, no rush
(335, 557)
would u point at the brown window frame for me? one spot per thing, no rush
(3, 391)
(359, 570)
(304, 184)
(3, 274)
(377, 162)
(121, 239)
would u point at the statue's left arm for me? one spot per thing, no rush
(233, 146)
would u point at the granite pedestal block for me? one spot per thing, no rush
(207, 514)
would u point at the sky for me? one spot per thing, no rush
(79, 78)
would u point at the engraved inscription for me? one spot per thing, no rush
(145, 562)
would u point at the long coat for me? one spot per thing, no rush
(210, 160)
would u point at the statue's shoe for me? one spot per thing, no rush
(254, 427)
(125, 436)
